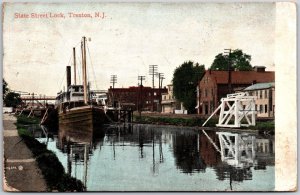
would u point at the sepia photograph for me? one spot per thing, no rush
(149, 97)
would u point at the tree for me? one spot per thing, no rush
(236, 59)
(5, 88)
(12, 99)
(185, 81)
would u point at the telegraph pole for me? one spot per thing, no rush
(152, 72)
(160, 78)
(113, 80)
(140, 96)
(228, 51)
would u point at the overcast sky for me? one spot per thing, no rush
(128, 39)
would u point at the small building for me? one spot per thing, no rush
(136, 98)
(265, 102)
(217, 84)
(169, 104)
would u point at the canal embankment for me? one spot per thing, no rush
(195, 121)
(50, 172)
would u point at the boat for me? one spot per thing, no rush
(75, 106)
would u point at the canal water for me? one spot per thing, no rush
(162, 158)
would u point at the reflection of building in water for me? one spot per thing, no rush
(208, 153)
(186, 152)
(225, 171)
(265, 153)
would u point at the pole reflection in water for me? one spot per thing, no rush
(118, 158)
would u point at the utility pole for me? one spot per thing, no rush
(113, 80)
(152, 72)
(160, 78)
(228, 51)
(141, 79)
(140, 96)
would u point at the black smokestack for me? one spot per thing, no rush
(68, 76)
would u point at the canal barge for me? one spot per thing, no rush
(75, 106)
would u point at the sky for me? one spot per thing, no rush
(129, 38)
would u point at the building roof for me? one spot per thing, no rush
(258, 86)
(242, 77)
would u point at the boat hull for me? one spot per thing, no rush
(87, 117)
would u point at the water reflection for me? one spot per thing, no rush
(163, 157)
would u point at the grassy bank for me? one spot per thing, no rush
(266, 126)
(191, 122)
(53, 171)
(195, 121)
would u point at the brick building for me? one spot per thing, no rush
(136, 97)
(217, 84)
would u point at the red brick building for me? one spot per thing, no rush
(217, 84)
(136, 97)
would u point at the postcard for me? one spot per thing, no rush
(149, 97)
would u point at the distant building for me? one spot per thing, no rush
(99, 96)
(217, 84)
(265, 102)
(169, 104)
(136, 98)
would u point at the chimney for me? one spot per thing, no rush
(259, 68)
(68, 76)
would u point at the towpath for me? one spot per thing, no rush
(21, 172)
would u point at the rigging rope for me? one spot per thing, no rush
(92, 66)
(78, 70)
(62, 79)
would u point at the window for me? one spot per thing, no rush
(266, 93)
(154, 93)
(260, 94)
(205, 93)
(206, 108)
(260, 108)
(266, 108)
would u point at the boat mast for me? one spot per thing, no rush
(74, 58)
(83, 51)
